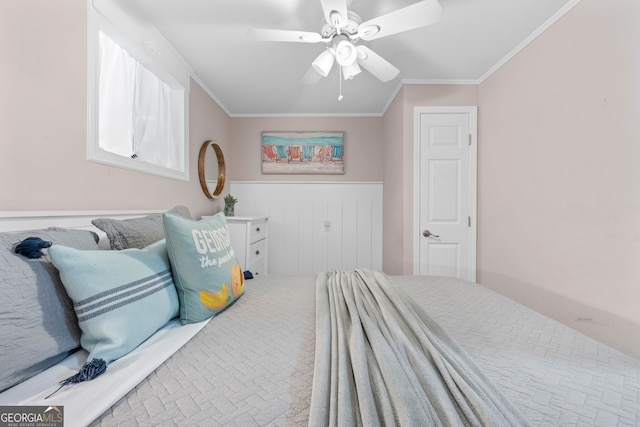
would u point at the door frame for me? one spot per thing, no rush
(473, 180)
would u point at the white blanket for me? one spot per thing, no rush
(382, 361)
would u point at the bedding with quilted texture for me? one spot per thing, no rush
(253, 364)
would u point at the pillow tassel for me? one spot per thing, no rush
(89, 371)
(31, 247)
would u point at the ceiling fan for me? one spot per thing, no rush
(341, 29)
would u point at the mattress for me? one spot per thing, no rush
(253, 363)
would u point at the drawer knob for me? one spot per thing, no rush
(257, 252)
(257, 229)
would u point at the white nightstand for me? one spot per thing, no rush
(249, 238)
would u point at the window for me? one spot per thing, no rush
(137, 108)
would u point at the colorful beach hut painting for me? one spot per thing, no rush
(303, 152)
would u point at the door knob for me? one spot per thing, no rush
(427, 233)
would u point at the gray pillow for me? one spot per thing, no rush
(39, 327)
(136, 233)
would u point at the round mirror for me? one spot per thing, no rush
(211, 169)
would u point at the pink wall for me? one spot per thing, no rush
(43, 122)
(398, 178)
(559, 175)
(363, 141)
(394, 198)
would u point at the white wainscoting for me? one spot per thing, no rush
(316, 226)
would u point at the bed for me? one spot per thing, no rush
(253, 364)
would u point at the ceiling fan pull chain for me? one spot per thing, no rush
(340, 83)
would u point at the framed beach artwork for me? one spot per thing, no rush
(303, 152)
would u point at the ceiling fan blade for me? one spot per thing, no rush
(311, 77)
(283, 36)
(376, 65)
(417, 15)
(335, 12)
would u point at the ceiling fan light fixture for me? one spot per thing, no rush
(350, 71)
(362, 53)
(324, 62)
(346, 53)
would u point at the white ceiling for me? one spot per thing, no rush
(249, 77)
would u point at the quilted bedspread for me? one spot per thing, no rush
(253, 364)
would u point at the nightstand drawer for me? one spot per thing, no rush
(257, 251)
(258, 269)
(258, 231)
(249, 238)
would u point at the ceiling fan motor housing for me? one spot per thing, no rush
(328, 30)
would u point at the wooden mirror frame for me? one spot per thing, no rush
(221, 169)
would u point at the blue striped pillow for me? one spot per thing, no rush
(121, 298)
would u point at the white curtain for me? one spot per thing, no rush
(115, 107)
(139, 114)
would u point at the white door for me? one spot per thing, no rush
(445, 191)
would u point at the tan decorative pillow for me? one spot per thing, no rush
(136, 233)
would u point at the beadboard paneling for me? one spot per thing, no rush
(299, 241)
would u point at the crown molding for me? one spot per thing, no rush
(541, 29)
(208, 91)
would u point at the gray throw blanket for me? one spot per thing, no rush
(381, 360)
